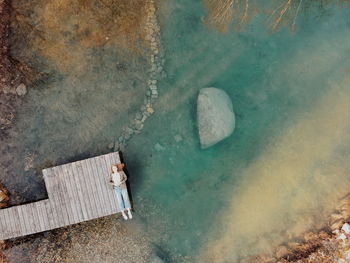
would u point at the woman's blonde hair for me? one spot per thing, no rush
(118, 165)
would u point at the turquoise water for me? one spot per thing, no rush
(184, 196)
(272, 79)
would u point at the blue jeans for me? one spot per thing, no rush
(123, 198)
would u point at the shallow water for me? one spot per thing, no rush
(263, 185)
(279, 174)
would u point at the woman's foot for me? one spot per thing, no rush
(124, 215)
(129, 214)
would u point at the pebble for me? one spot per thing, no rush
(158, 147)
(341, 237)
(139, 115)
(21, 90)
(129, 130)
(144, 117)
(346, 228)
(178, 138)
(139, 125)
(150, 110)
(127, 136)
(153, 87)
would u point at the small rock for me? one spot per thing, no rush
(153, 87)
(127, 136)
(346, 228)
(144, 117)
(337, 224)
(128, 130)
(150, 110)
(21, 90)
(178, 138)
(159, 69)
(111, 145)
(341, 237)
(158, 147)
(138, 115)
(139, 125)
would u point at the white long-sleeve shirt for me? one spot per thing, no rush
(118, 179)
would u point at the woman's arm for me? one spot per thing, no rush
(124, 177)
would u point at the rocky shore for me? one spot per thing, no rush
(328, 245)
(156, 60)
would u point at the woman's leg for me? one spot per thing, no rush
(118, 192)
(124, 192)
(120, 202)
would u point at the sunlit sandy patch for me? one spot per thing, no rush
(292, 186)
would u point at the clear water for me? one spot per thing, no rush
(277, 176)
(243, 195)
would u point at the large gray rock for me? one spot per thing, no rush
(215, 116)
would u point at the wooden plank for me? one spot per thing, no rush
(54, 203)
(100, 165)
(44, 212)
(3, 226)
(96, 183)
(60, 193)
(85, 191)
(72, 188)
(50, 215)
(18, 230)
(34, 218)
(29, 218)
(73, 214)
(82, 198)
(22, 220)
(101, 187)
(40, 216)
(8, 230)
(90, 191)
(94, 176)
(63, 194)
(55, 219)
(116, 207)
(102, 184)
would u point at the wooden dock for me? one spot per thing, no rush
(77, 192)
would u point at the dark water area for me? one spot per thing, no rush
(277, 176)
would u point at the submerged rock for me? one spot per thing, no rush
(21, 90)
(215, 116)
